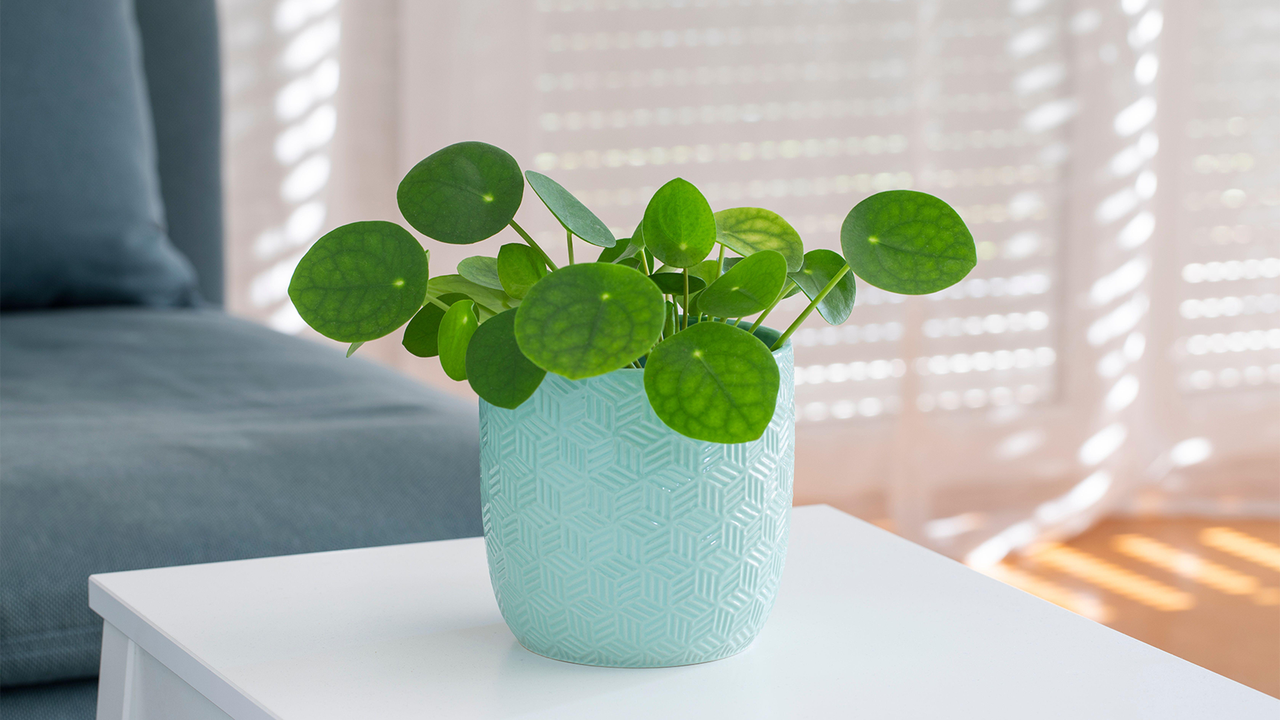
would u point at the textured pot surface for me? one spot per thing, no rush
(613, 540)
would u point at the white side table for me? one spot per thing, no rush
(867, 625)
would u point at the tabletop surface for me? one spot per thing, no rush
(866, 625)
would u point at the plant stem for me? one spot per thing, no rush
(569, 239)
(686, 298)
(720, 262)
(812, 304)
(545, 258)
(785, 287)
(438, 303)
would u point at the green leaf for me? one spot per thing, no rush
(422, 334)
(748, 230)
(589, 319)
(679, 227)
(353, 348)
(624, 249)
(713, 382)
(672, 317)
(747, 288)
(462, 194)
(819, 267)
(707, 270)
(496, 368)
(456, 328)
(907, 242)
(360, 281)
(673, 283)
(519, 267)
(481, 270)
(493, 300)
(791, 289)
(570, 211)
(637, 237)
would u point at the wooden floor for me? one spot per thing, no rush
(1207, 591)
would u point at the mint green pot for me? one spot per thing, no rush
(613, 540)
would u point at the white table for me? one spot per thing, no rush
(867, 625)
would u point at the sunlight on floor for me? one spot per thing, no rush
(1207, 591)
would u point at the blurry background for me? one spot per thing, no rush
(1115, 354)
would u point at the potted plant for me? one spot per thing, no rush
(636, 415)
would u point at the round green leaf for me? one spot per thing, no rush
(791, 289)
(624, 249)
(481, 270)
(819, 267)
(496, 368)
(495, 301)
(748, 230)
(462, 194)
(637, 237)
(589, 319)
(907, 242)
(360, 281)
(747, 288)
(679, 227)
(713, 382)
(421, 335)
(519, 267)
(569, 211)
(456, 328)
(708, 270)
(673, 283)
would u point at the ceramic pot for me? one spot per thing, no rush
(615, 541)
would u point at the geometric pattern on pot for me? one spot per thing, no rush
(613, 540)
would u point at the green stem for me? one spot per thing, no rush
(545, 258)
(720, 262)
(686, 298)
(785, 287)
(812, 304)
(569, 239)
(438, 303)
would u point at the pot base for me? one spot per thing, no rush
(726, 656)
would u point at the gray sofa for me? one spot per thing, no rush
(137, 432)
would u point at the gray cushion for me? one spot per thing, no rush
(136, 438)
(180, 56)
(74, 700)
(81, 220)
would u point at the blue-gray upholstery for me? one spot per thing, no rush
(137, 438)
(180, 57)
(134, 437)
(81, 219)
(71, 700)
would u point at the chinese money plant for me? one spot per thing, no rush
(682, 300)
